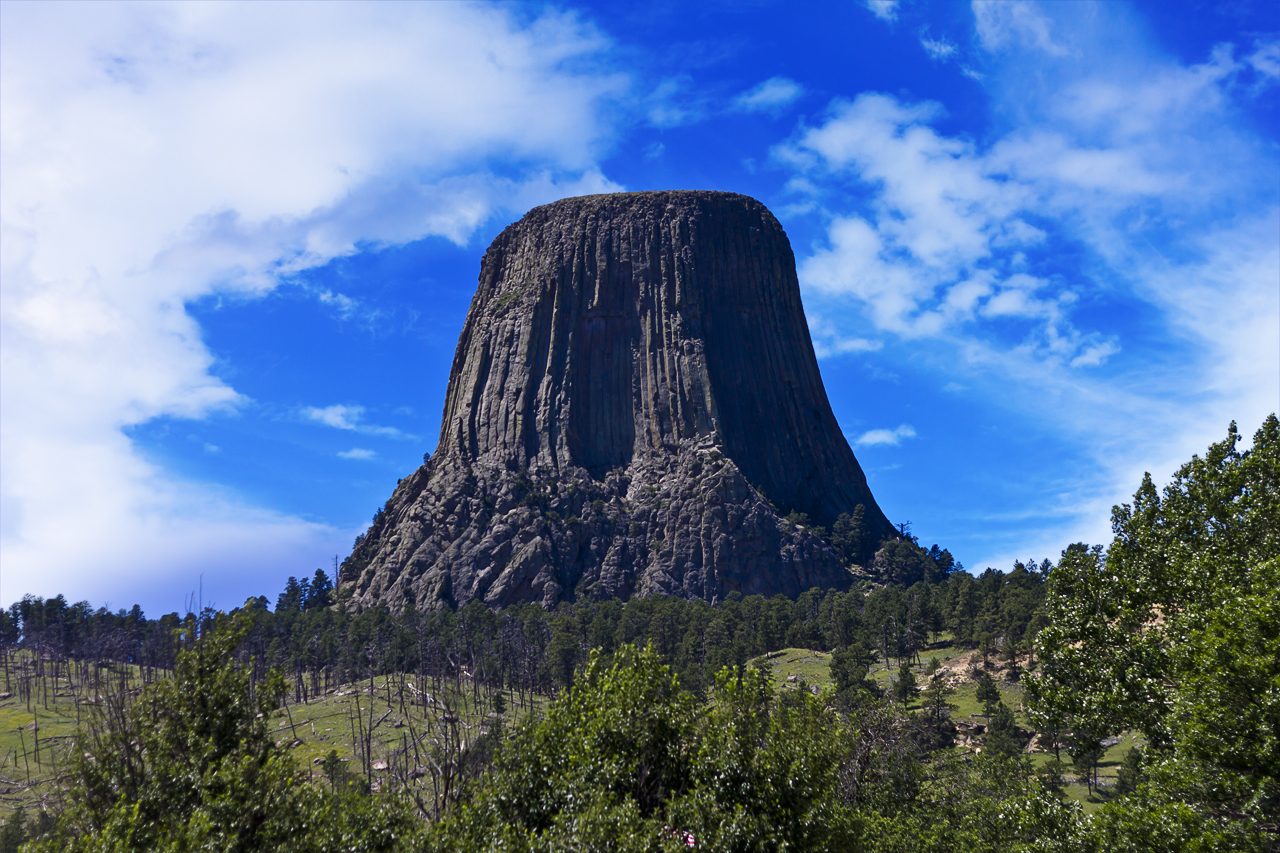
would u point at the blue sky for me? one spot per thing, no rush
(1038, 243)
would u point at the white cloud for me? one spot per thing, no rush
(1095, 354)
(938, 49)
(357, 453)
(770, 96)
(350, 417)
(1124, 181)
(940, 245)
(154, 153)
(885, 10)
(828, 341)
(671, 105)
(1001, 22)
(891, 437)
(1266, 60)
(338, 417)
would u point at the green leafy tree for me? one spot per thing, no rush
(1175, 631)
(611, 751)
(1108, 655)
(767, 771)
(624, 761)
(192, 766)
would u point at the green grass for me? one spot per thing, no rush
(813, 668)
(49, 720)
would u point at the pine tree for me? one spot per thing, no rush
(905, 687)
(988, 693)
(293, 596)
(319, 594)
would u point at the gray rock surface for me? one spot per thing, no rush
(633, 404)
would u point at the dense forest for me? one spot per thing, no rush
(655, 724)
(319, 644)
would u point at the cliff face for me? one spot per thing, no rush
(633, 401)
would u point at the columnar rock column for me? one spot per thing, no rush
(633, 404)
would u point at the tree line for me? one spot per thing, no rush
(319, 643)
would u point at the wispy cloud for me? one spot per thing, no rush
(673, 103)
(890, 437)
(770, 96)
(829, 341)
(1265, 60)
(350, 418)
(938, 49)
(1000, 22)
(338, 417)
(885, 10)
(358, 453)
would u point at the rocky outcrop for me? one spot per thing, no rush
(634, 403)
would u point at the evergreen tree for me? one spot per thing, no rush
(905, 687)
(293, 597)
(319, 594)
(1002, 731)
(849, 667)
(850, 537)
(1130, 774)
(988, 693)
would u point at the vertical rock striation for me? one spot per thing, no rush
(633, 402)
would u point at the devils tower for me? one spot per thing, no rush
(634, 406)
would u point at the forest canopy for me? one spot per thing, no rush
(655, 724)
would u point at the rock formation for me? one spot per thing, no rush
(634, 405)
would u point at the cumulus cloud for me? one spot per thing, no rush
(936, 247)
(770, 96)
(155, 153)
(1123, 181)
(890, 437)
